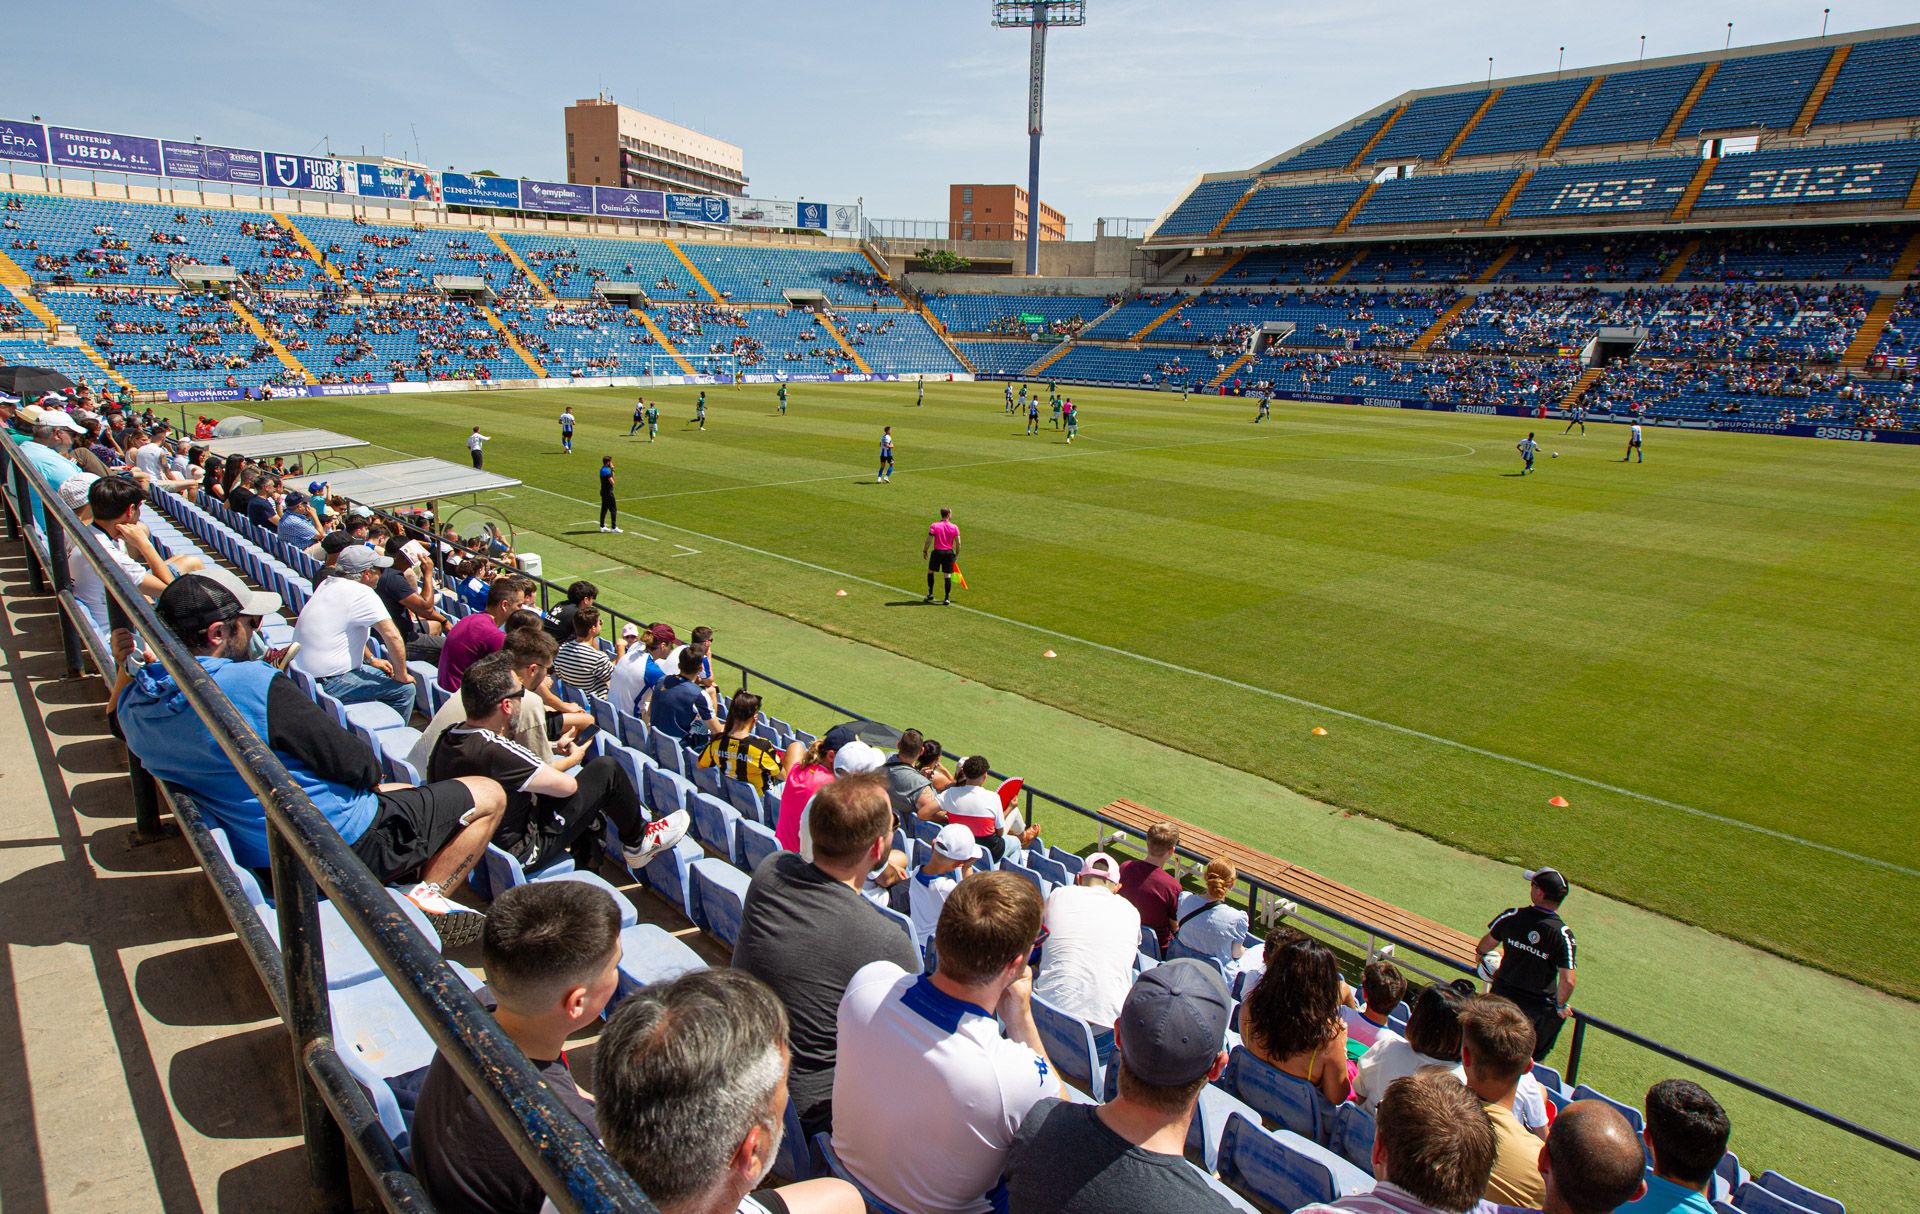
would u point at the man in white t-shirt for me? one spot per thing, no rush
(1093, 935)
(332, 633)
(115, 505)
(927, 1093)
(954, 853)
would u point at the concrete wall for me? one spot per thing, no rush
(1116, 260)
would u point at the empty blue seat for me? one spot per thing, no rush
(1750, 1198)
(744, 798)
(1069, 1042)
(1284, 1171)
(1352, 1136)
(1296, 1104)
(379, 1039)
(1214, 1109)
(500, 870)
(717, 898)
(1773, 1182)
(1047, 867)
(752, 843)
(665, 792)
(666, 874)
(705, 779)
(649, 954)
(713, 821)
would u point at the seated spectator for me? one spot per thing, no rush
(683, 709)
(481, 633)
(1687, 1133)
(429, 835)
(263, 508)
(581, 663)
(1292, 1019)
(1432, 1040)
(530, 652)
(406, 591)
(115, 529)
(559, 625)
(1093, 936)
(1592, 1164)
(549, 809)
(1496, 1048)
(805, 930)
(809, 769)
(551, 951)
(298, 526)
(1129, 1154)
(969, 801)
(1382, 987)
(332, 633)
(1154, 891)
(738, 752)
(49, 451)
(929, 1092)
(691, 1077)
(640, 669)
(1432, 1152)
(910, 788)
(1207, 928)
(954, 853)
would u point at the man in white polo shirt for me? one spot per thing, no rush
(927, 1093)
(1093, 935)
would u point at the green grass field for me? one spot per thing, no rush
(1717, 629)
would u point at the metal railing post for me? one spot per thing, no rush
(36, 577)
(1573, 1050)
(63, 581)
(310, 1024)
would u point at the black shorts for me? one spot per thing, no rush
(411, 825)
(942, 560)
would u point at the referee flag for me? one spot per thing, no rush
(960, 578)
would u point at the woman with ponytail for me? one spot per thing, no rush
(1205, 927)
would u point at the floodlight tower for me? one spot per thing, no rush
(1036, 15)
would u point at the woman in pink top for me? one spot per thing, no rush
(809, 768)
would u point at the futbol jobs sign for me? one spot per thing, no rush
(286, 172)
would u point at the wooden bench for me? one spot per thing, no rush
(1277, 883)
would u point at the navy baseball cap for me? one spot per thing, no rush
(1174, 1022)
(1549, 882)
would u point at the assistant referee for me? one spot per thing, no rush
(941, 551)
(1537, 958)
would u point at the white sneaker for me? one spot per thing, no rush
(429, 897)
(604, 530)
(617, 531)
(660, 836)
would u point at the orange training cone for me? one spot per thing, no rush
(839, 594)
(1319, 732)
(1049, 654)
(1558, 802)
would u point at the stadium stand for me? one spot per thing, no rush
(1296, 206)
(1001, 313)
(1764, 91)
(1522, 118)
(389, 259)
(1876, 82)
(1852, 173)
(1335, 151)
(1004, 358)
(1449, 198)
(1426, 128)
(1631, 107)
(1202, 209)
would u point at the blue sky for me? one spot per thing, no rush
(886, 100)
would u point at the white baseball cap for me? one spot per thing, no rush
(1103, 866)
(857, 757)
(955, 842)
(73, 490)
(54, 417)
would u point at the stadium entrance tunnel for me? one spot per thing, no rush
(1612, 344)
(1272, 333)
(627, 294)
(803, 298)
(468, 287)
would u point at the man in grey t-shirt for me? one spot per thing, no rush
(911, 792)
(1128, 1154)
(806, 930)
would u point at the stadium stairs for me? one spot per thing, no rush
(1347, 219)
(306, 242)
(1231, 369)
(1678, 265)
(537, 282)
(1500, 210)
(499, 326)
(1566, 123)
(1860, 349)
(1700, 82)
(15, 280)
(1360, 157)
(1466, 128)
(1588, 378)
(1425, 341)
(1340, 275)
(1913, 196)
(1498, 264)
(1691, 194)
(1161, 319)
(840, 339)
(694, 270)
(1059, 352)
(1909, 261)
(1821, 88)
(279, 349)
(1233, 210)
(665, 343)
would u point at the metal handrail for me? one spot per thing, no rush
(307, 852)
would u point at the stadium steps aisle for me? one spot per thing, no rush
(840, 339)
(1821, 87)
(1913, 195)
(660, 336)
(306, 242)
(100, 360)
(1506, 202)
(1910, 257)
(280, 351)
(1059, 352)
(1161, 319)
(1566, 123)
(1425, 340)
(1499, 263)
(1473, 120)
(1353, 210)
(539, 284)
(526, 355)
(1868, 336)
(1341, 273)
(1678, 265)
(1231, 369)
(1360, 157)
(1700, 83)
(15, 279)
(1588, 378)
(142, 1067)
(1234, 209)
(1691, 194)
(693, 270)
(1224, 268)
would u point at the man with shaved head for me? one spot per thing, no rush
(1592, 1161)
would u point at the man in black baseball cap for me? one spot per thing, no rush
(1127, 1154)
(1537, 957)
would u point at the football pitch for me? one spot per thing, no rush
(1709, 655)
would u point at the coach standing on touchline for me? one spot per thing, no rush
(1537, 958)
(941, 551)
(475, 442)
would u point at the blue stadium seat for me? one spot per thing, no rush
(1773, 1182)
(1282, 1170)
(752, 843)
(1750, 1198)
(1069, 1042)
(1209, 1125)
(1296, 1104)
(667, 874)
(1352, 1136)
(713, 824)
(649, 954)
(717, 893)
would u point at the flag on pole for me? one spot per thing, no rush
(960, 578)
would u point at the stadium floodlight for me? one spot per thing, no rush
(1038, 16)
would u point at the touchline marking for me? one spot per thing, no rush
(1087, 454)
(1344, 714)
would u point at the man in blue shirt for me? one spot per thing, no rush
(1687, 1133)
(682, 708)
